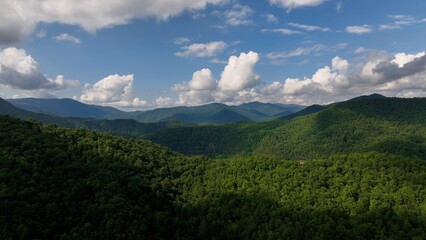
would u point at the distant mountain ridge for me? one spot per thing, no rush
(124, 127)
(215, 113)
(64, 108)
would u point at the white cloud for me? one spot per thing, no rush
(203, 80)
(14, 24)
(218, 61)
(284, 31)
(239, 15)
(338, 6)
(339, 64)
(163, 102)
(399, 75)
(67, 37)
(202, 49)
(302, 51)
(41, 34)
(18, 18)
(271, 18)
(20, 71)
(239, 74)
(181, 40)
(398, 22)
(310, 27)
(360, 50)
(114, 90)
(402, 58)
(294, 53)
(290, 4)
(359, 29)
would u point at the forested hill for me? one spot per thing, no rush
(382, 124)
(60, 183)
(69, 183)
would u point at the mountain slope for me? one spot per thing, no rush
(389, 125)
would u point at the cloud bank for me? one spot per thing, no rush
(18, 18)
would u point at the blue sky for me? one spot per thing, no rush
(138, 54)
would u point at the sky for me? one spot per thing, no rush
(144, 54)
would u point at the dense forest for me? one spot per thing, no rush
(58, 183)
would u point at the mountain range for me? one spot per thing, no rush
(214, 113)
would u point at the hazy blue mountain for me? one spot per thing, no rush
(65, 108)
(214, 113)
(271, 109)
(123, 127)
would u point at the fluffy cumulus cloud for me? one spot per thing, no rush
(202, 49)
(20, 71)
(18, 18)
(113, 90)
(290, 4)
(203, 80)
(400, 75)
(238, 75)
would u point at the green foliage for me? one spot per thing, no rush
(356, 196)
(58, 183)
